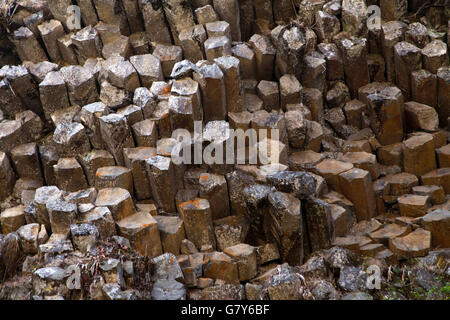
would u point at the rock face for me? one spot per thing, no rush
(224, 149)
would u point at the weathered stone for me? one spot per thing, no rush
(434, 56)
(354, 52)
(161, 175)
(80, 84)
(140, 43)
(62, 214)
(440, 177)
(443, 76)
(87, 44)
(69, 175)
(437, 222)
(65, 46)
(391, 33)
(50, 281)
(424, 87)
(415, 244)
(12, 219)
(407, 58)
(413, 205)
(118, 201)
(28, 48)
(245, 255)
(168, 56)
(264, 56)
(116, 135)
(386, 113)
(192, 41)
(84, 236)
(354, 17)
(218, 265)
(418, 154)
(196, 215)
(102, 219)
(172, 233)
(142, 231)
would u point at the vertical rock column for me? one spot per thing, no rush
(212, 86)
(154, 22)
(112, 12)
(386, 114)
(179, 16)
(50, 32)
(356, 71)
(28, 48)
(228, 10)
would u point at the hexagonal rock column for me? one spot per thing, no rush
(391, 33)
(53, 93)
(330, 170)
(26, 161)
(230, 66)
(214, 188)
(42, 196)
(148, 68)
(413, 205)
(181, 113)
(386, 114)
(439, 177)
(154, 22)
(196, 215)
(415, 244)
(354, 17)
(212, 85)
(407, 58)
(69, 175)
(112, 12)
(424, 88)
(114, 177)
(435, 56)
(178, 16)
(356, 185)
(118, 201)
(28, 48)
(142, 231)
(161, 175)
(438, 223)
(354, 52)
(7, 176)
(189, 88)
(62, 214)
(135, 160)
(245, 255)
(70, 139)
(443, 76)
(50, 32)
(230, 231)
(418, 154)
(421, 117)
(86, 44)
(101, 218)
(264, 55)
(229, 11)
(318, 222)
(192, 41)
(283, 225)
(171, 230)
(12, 219)
(25, 88)
(218, 265)
(116, 135)
(80, 84)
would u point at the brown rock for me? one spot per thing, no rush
(415, 244)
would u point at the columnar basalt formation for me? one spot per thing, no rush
(223, 149)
